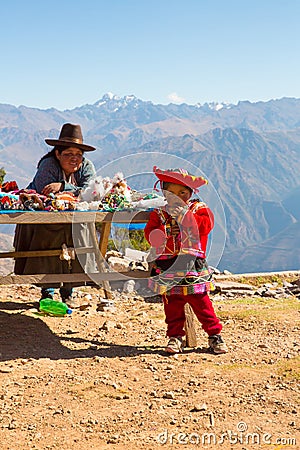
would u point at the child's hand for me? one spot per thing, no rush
(177, 211)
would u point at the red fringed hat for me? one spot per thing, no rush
(179, 176)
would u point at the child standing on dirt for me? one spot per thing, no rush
(179, 233)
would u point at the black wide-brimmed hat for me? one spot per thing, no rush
(70, 136)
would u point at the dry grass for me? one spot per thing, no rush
(289, 369)
(260, 308)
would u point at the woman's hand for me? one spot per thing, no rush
(52, 188)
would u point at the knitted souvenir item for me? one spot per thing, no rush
(96, 189)
(111, 194)
(62, 201)
(31, 201)
(179, 176)
(101, 189)
(9, 186)
(6, 201)
(120, 186)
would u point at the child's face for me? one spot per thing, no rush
(175, 194)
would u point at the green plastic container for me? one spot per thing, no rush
(54, 308)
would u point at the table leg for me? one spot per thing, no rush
(104, 236)
(100, 250)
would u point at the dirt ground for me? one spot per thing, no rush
(101, 379)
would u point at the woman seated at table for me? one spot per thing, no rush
(63, 169)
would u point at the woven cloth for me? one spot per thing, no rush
(181, 275)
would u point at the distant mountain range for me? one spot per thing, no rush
(250, 152)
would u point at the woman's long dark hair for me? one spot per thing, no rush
(51, 154)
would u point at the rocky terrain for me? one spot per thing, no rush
(100, 379)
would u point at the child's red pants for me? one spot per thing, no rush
(202, 307)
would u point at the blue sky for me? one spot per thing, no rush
(68, 53)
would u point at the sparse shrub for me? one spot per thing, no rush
(2, 174)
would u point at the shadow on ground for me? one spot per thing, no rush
(28, 336)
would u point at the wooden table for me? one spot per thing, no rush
(99, 248)
(71, 217)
